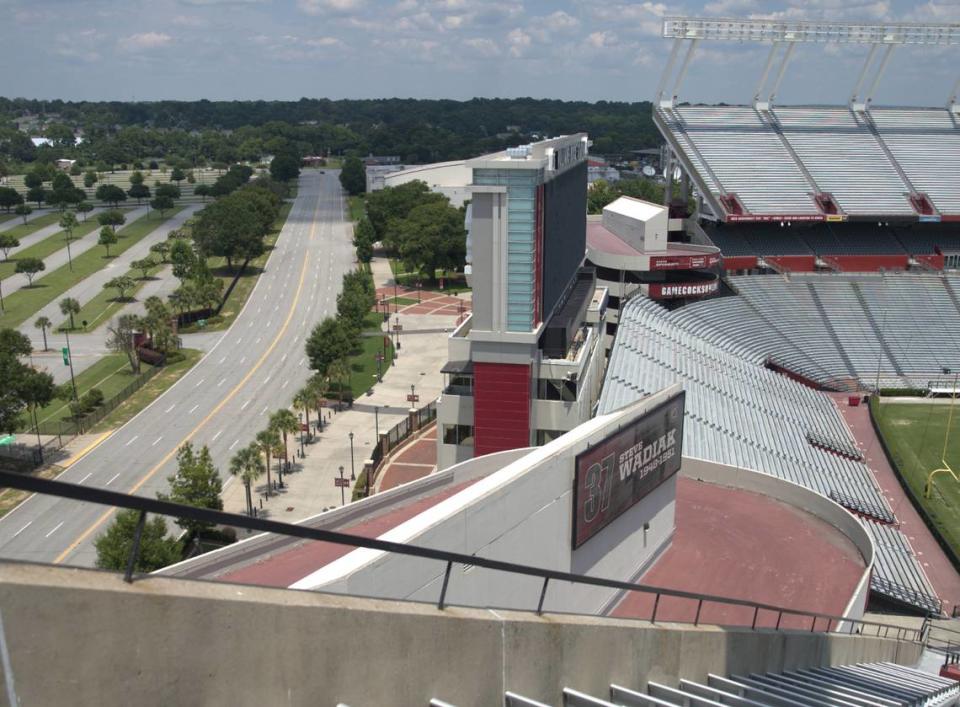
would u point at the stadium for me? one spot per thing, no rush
(720, 519)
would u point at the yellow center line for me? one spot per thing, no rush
(137, 486)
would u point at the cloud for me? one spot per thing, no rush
(519, 42)
(320, 7)
(483, 47)
(560, 21)
(204, 3)
(188, 21)
(144, 41)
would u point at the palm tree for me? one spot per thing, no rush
(69, 306)
(43, 324)
(247, 464)
(317, 392)
(284, 422)
(266, 441)
(303, 399)
(338, 371)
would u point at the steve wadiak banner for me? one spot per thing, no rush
(616, 473)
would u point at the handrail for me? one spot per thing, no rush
(146, 505)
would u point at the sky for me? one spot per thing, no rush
(568, 49)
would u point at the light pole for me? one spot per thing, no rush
(379, 358)
(419, 285)
(376, 422)
(396, 328)
(396, 305)
(301, 434)
(353, 475)
(343, 498)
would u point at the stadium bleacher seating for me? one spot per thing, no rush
(777, 161)
(885, 684)
(845, 160)
(742, 414)
(901, 327)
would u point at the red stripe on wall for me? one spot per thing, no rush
(501, 407)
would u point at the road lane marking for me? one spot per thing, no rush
(170, 408)
(132, 440)
(296, 338)
(242, 360)
(284, 384)
(259, 339)
(222, 381)
(226, 399)
(113, 478)
(85, 478)
(194, 408)
(55, 529)
(267, 379)
(156, 440)
(216, 435)
(222, 360)
(244, 406)
(29, 523)
(265, 408)
(235, 442)
(300, 363)
(199, 383)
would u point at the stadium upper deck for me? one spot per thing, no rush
(819, 164)
(762, 162)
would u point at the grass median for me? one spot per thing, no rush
(97, 311)
(110, 375)
(25, 229)
(178, 363)
(26, 301)
(914, 434)
(49, 245)
(245, 283)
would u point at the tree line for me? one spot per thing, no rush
(419, 131)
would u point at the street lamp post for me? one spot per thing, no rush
(353, 475)
(419, 285)
(396, 305)
(396, 328)
(301, 434)
(379, 358)
(73, 381)
(376, 421)
(343, 497)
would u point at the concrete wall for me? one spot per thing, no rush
(82, 637)
(447, 178)
(523, 514)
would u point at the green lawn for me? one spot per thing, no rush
(98, 310)
(357, 207)
(452, 282)
(25, 302)
(914, 434)
(169, 375)
(25, 229)
(363, 362)
(110, 374)
(49, 245)
(6, 217)
(245, 284)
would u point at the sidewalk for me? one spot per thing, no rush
(309, 487)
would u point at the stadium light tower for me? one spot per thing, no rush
(785, 35)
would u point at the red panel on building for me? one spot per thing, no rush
(501, 407)
(934, 260)
(869, 263)
(792, 263)
(740, 262)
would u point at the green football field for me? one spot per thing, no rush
(914, 434)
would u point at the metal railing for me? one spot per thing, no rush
(828, 623)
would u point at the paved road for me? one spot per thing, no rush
(42, 233)
(59, 258)
(255, 368)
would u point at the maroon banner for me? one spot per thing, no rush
(684, 262)
(767, 218)
(615, 474)
(696, 288)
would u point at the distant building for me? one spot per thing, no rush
(314, 161)
(527, 364)
(381, 160)
(377, 173)
(65, 165)
(447, 178)
(605, 172)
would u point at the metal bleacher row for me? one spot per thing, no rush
(775, 161)
(841, 330)
(742, 414)
(881, 684)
